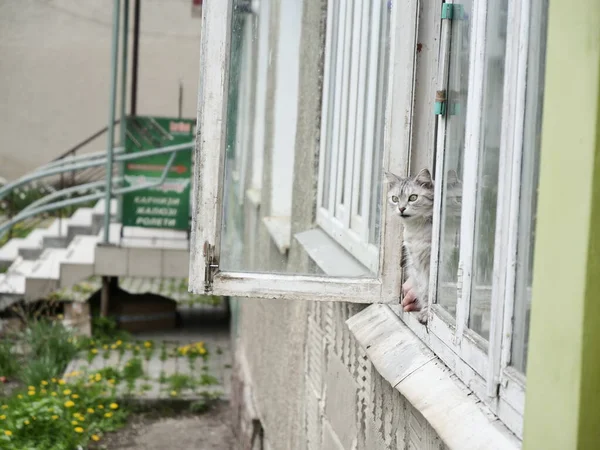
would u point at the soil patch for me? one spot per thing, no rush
(167, 429)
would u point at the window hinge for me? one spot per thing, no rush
(447, 11)
(440, 103)
(211, 264)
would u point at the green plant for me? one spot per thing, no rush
(206, 400)
(9, 365)
(132, 371)
(208, 380)
(50, 347)
(55, 416)
(178, 382)
(105, 330)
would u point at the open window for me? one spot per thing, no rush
(291, 150)
(487, 164)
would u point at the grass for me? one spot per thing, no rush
(9, 366)
(47, 412)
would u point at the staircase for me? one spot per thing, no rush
(71, 250)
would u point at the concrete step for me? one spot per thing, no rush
(98, 214)
(45, 274)
(13, 280)
(10, 252)
(78, 263)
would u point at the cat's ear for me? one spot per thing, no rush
(424, 179)
(391, 178)
(452, 177)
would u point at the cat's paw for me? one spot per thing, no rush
(422, 316)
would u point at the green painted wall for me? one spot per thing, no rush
(562, 408)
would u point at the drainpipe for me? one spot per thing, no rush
(135, 56)
(104, 299)
(123, 124)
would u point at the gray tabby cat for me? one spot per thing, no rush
(412, 199)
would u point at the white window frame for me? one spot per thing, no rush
(486, 372)
(348, 101)
(205, 275)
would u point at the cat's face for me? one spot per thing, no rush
(412, 197)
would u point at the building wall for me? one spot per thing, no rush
(55, 67)
(301, 380)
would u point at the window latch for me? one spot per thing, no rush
(210, 266)
(440, 103)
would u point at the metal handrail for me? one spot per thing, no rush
(6, 189)
(29, 211)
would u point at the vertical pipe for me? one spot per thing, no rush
(135, 57)
(111, 115)
(105, 292)
(180, 102)
(123, 123)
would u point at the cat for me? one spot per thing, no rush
(412, 199)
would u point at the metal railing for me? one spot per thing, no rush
(55, 200)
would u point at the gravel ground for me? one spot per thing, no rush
(149, 431)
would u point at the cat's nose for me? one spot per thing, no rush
(402, 209)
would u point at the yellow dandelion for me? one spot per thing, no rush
(67, 391)
(31, 393)
(95, 437)
(74, 422)
(173, 393)
(2, 417)
(19, 396)
(105, 347)
(100, 406)
(75, 396)
(54, 417)
(78, 430)
(4, 406)
(31, 388)
(108, 415)
(119, 342)
(113, 347)
(61, 382)
(26, 422)
(202, 351)
(43, 392)
(94, 351)
(53, 394)
(44, 383)
(54, 380)
(90, 411)
(8, 432)
(114, 405)
(69, 404)
(147, 344)
(111, 381)
(98, 377)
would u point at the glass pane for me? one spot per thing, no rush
(458, 89)
(529, 180)
(288, 229)
(487, 177)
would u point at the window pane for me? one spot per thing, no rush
(487, 178)
(290, 228)
(458, 87)
(529, 180)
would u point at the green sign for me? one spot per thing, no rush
(167, 205)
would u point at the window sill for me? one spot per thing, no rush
(329, 255)
(280, 228)
(410, 367)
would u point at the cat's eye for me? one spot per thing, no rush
(394, 199)
(412, 198)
